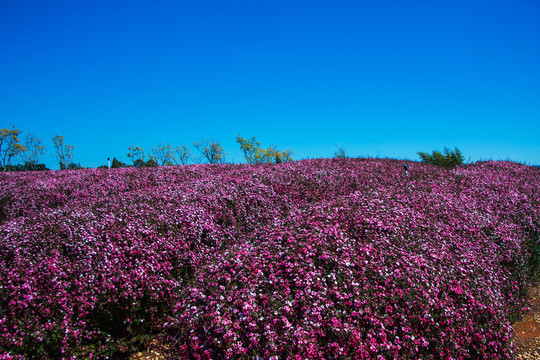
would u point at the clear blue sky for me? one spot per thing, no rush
(379, 78)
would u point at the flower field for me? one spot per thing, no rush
(315, 259)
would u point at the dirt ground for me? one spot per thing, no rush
(528, 330)
(527, 334)
(152, 355)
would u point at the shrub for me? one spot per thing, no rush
(449, 158)
(117, 164)
(340, 153)
(320, 259)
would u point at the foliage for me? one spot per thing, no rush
(72, 166)
(136, 154)
(182, 154)
(255, 154)
(163, 154)
(151, 162)
(64, 153)
(340, 153)
(251, 149)
(317, 259)
(449, 159)
(27, 166)
(117, 164)
(9, 145)
(211, 150)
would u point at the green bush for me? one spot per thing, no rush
(449, 158)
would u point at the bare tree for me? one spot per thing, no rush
(34, 149)
(211, 150)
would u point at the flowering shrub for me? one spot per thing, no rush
(320, 259)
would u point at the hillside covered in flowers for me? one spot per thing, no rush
(315, 259)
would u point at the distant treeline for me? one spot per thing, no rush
(27, 153)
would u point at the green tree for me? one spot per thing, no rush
(34, 167)
(139, 163)
(182, 154)
(73, 166)
(151, 162)
(255, 154)
(448, 158)
(117, 164)
(9, 145)
(211, 150)
(64, 153)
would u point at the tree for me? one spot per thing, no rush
(64, 153)
(73, 166)
(182, 154)
(136, 154)
(34, 150)
(255, 154)
(340, 153)
(9, 145)
(28, 166)
(163, 154)
(449, 159)
(273, 154)
(151, 163)
(211, 150)
(116, 164)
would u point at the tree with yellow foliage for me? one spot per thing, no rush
(163, 154)
(211, 150)
(136, 154)
(255, 154)
(182, 154)
(9, 145)
(64, 153)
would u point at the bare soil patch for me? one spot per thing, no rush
(528, 329)
(147, 355)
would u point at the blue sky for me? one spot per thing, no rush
(378, 78)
